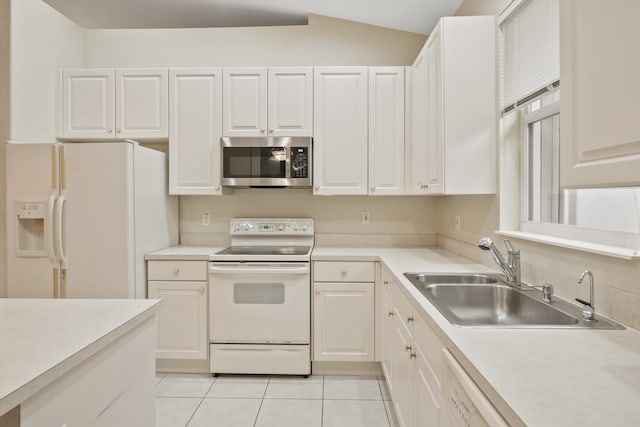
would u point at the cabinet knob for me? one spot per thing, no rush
(385, 283)
(118, 131)
(343, 273)
(407, 347)
(201, 290)
(261, 130)
(423, 186)
(109, 130)
(391, 314)
(176, 270)
(270, 130)
(412, 355)
(410, 319)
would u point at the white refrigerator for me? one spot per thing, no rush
(81, 216)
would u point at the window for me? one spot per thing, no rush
(534, 204)
(609, 216)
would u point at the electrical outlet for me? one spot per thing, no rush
(365, 217)
(458, 221)
(206, 219)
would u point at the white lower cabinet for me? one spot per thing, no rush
(182, 318)
(411, 359)
(343, 312)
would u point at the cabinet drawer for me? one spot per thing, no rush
(177, 270)
(339, 271)
(430, 346)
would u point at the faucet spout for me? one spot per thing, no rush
(511, 267)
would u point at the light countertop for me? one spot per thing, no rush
(184, 253)
(534, 377)
(41, 340)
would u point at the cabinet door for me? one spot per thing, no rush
(182, 319)
(87, 102)
(343, 322)
(196, 129)
(340, 129)
(386, 130)
(388, 330)
(427, 401)
(599, 108)
(142, 103)
(402, 366)
(245, 102)
(434, 165)
(290, 101)
(419, 127)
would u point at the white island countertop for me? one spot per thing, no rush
(534, 376)
(41, 340)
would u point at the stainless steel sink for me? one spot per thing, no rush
(487, 300)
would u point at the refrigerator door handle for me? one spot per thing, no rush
(51, 250)
(59, 239)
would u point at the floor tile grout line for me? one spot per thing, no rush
(201, 400)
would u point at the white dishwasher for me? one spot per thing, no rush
(464, 403)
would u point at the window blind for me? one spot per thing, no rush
(531, 50)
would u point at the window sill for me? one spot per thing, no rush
(594, 248)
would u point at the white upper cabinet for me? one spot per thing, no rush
(386, 130)
(245, 102)
(290, 101)
(100, 104)
(340, 130)
(87, 103)
(141, 104)
(599, 80)
(454, 109)
(417, 147)
(268, 102)
(196, 128)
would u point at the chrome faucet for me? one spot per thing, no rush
(588, 308)
(511, 267)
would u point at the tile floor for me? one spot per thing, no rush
(196, 400)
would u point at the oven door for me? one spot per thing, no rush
(259, 302)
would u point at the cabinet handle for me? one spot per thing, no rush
(410, 319)
(270, 130)
(407, 347)
(118, 131)
(176, 270)
(385, 283)
(412, 355)
(201, 290)
(390, 313)
(261, 130)
(109, 130)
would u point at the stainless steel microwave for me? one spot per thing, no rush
(266, 162)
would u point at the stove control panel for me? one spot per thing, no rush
(274, 227)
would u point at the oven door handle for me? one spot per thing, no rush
(248, 269)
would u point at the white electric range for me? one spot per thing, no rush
(260, 298)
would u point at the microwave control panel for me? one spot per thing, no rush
(299, 162)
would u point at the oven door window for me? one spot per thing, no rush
(254, 162)
(258, 293)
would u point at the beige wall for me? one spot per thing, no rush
(325, 41)
(42, 41)
(5, 17)
(403, 216)
(617, 285)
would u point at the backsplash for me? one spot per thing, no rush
(617, 283)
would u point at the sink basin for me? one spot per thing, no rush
(486, 300)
